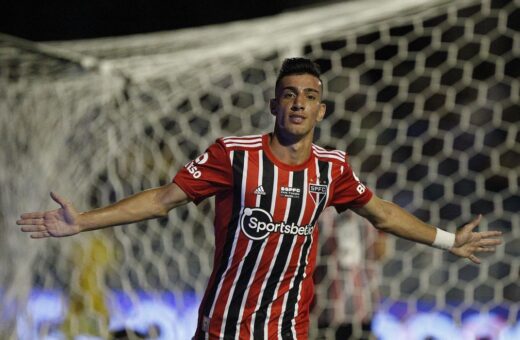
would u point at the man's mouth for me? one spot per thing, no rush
(296, 119)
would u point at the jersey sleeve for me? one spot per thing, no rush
(206, 175)
(349, 192)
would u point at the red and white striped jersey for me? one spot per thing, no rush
(266, 240)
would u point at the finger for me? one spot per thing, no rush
(31, 221)
(30, 229)
(490, 242)
(471, 225)
(487, 234)
(58, 199)
(486, 249)
(474, 259)
(36, 214)
(41, 234)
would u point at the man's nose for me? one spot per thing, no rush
(297, 104)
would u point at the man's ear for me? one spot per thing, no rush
(272, 106)
(321, 113)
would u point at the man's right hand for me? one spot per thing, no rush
(54, 223)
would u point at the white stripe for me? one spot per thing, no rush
(278, 246)
(217, 293)
(293, 328)
(323, 150)
(274, 195)
(304, 199)
(275, 189)
(249, 284)
(235, 238)
(239, 270)
(289, 199)
(244, 145)
(241, 140)
(253, 273)
(300, 219)
(328, 183)
(242, 137)
(237, 233)
(329, 175)
(268, 314)
(260, 174)
(316, 205)
(329, 155)
(245, 140)
(232, 291)
(284, 271)
(317, 153)
(219, 287)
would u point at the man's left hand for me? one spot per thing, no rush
(468, 242)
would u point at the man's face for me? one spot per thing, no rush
(297, 106)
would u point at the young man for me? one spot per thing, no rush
(270, 190)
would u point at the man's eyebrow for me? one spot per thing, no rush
(308, 89)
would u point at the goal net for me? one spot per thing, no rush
(423, 95)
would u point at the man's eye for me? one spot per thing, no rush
(311, 97)
(288, 95)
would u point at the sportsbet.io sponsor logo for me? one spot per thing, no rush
(257, 224)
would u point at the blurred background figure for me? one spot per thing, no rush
(348, 273)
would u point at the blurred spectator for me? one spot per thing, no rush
(347, 284)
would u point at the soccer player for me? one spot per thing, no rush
(270, 189)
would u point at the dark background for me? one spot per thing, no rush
(67, 20)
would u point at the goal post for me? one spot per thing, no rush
(423, 95)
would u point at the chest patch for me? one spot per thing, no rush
(290, 192)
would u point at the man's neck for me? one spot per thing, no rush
(290, 151)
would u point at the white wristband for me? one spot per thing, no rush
(443, 239)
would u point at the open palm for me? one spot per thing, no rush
(468, 242)
(53, 223)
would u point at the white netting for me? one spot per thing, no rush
(422, 94)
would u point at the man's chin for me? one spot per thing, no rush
(292, 134)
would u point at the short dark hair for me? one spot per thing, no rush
(292, 66)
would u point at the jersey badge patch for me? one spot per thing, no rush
(290, 192)
(317, 192)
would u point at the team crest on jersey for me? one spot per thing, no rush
(317, 192)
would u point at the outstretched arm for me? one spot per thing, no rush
(393, 219)
(66, 221)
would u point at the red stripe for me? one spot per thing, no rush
(250, 198)
(251, 178)
(278, 215)
(223, 296)
(268, 256)
(276, 309)
(256, 286)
